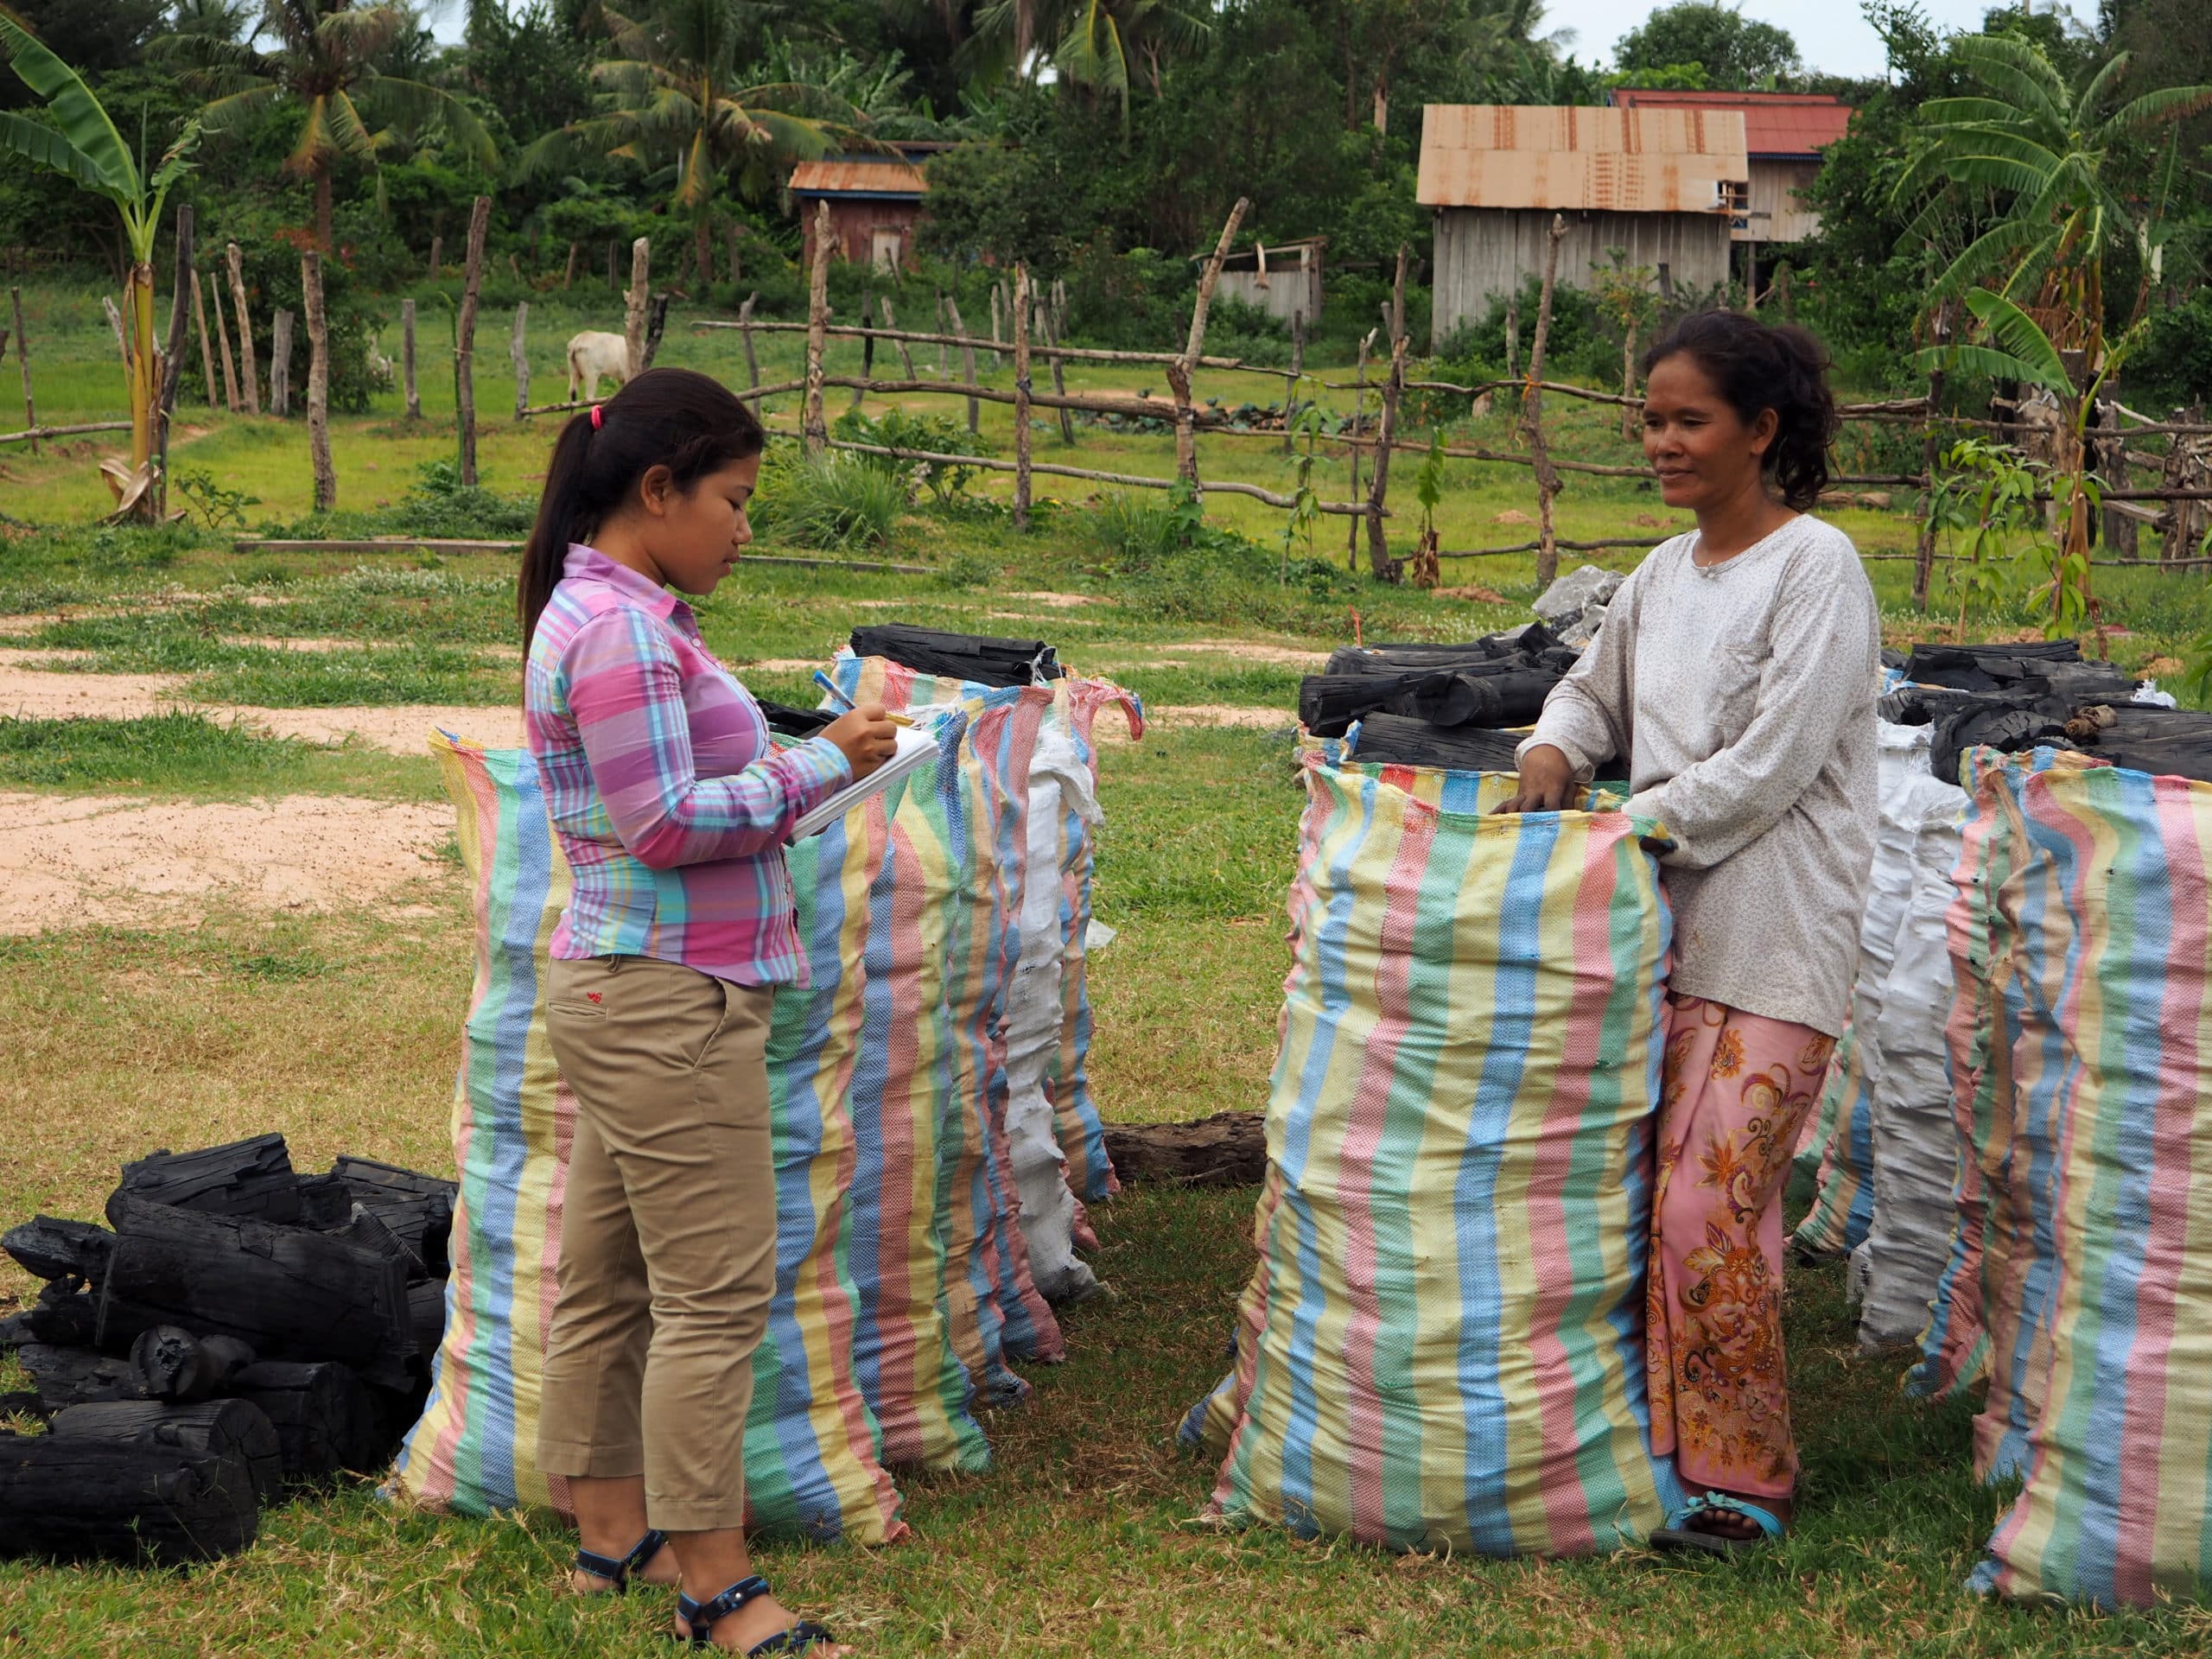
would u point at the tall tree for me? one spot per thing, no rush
(678, 103)
(81, 142)
(1735, 51)
(325, 62)
(1101, 48)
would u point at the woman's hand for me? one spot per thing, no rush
(1547, 781)
(866, 736)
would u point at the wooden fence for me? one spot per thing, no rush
(1038, 332)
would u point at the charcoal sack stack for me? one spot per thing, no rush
(238, 1326)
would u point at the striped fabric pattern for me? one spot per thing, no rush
(1441, 1345)
(2114, 1064)
(880, 892)
(1843, 1206)
(992, 1300)
(810, 1463)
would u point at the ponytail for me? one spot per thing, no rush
(678, 419)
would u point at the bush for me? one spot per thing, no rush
(833, 501)
(896, 429)
(2172, 368)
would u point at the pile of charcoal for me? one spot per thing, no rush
(976, 658)
(1465, 707)
(2017, 697)
(236, 1328)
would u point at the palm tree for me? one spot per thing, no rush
(1101, 46)
(82, 141)
(2052, 156)
(677, 104)
(326, 60)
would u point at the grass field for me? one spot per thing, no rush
(337, 1025)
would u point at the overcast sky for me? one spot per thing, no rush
(1831, 35)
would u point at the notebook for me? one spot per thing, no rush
(917, 748)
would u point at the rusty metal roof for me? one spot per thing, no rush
(1797, 125)
(1633, 160)
(850, 176)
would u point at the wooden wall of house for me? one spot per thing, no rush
(854, 222)
(1487, 252)
(1775, 186)
(1288, 289)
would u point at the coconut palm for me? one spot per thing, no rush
(2051, 158)
(326, 61)
(82, 141)
(676, 103)
(1100, 45)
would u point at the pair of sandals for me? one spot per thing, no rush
(1679, 1533)
(703, 1615)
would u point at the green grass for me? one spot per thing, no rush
(193, 756)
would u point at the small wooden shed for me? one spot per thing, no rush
(1281, 279)
(1783, 135)
(1660, 184)
(875, 204)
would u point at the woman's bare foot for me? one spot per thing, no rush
(1726, 1523)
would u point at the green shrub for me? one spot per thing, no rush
(897, 429)
(833, 501)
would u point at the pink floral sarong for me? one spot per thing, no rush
(1736, 1089)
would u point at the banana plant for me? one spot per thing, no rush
(82, 142)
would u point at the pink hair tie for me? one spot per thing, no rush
(595, 418)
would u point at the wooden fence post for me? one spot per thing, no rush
(813, 429)
(249, 380)
(518, 354)
(868, 347)
(1060, 308)
(207, 351)
(656, 321)
(967, 357)
(2119, 527)
(1290, 382)
(944, 373)
(1513, 335)
(735, 231)
(1386, 431)
(280, 365)
(437, 257)
(173, 357)
(23, 360)
(614, 286)
(326, 479)
(1923, 552)
(1358, 413)
(223, 344)
(1532, 414)
(995, 336)
(1059, 375)
(569, 279)
(905, 357)
(1021, 397)
(407, 359)
(1180, 371)
(633, 314)
(745, 333)
(464, 351)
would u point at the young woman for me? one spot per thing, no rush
(673, 810)
(1736, 672)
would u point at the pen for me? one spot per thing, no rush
(846, 702)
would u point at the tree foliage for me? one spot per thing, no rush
(1728, 49)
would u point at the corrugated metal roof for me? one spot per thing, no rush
(842, 175)
(1794, 125)
(1579, 156)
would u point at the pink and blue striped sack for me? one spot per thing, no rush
(1441, 1346)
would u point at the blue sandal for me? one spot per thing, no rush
(701, 1616)
(618, 1569)
(1678, 1535)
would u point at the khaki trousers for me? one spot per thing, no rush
(668, 1233)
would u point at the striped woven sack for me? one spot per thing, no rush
(1441, 1345)
(1082, 1126)
(1842, 1156)
(992, 1300)
(809, 1458)
(880, 892)
(2115, 959)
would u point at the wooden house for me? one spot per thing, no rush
(1283, 278)
(1783, 135)
(1663, 185)
(875, 204)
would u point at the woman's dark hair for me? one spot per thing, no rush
(678, 419)
(1757, 366)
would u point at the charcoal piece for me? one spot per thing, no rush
(65, 1313)
(76, 1376)
(1925, 705)
(1985, 667)
(286, 1292)
(21, 1402)
(1992, 723)
(367, 1228)
(2164, 742)
(1394, 739)
(326, 1201)
(14, 1331)
(243, 1178)
(978, 657)
(426, 1316)
(1227, 1149)
(369, 1180)
(415, 1206)
(788, 721)
(211, 1428)
(1513, 698)
(171, 1363)
(49, 1248)
(72, 1498)
(325, 1420)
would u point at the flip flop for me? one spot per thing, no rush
(1676, 1535)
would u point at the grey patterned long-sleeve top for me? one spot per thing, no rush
(1742, 696)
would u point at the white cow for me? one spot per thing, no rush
(590, 356)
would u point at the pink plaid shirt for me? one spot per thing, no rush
(669, 802)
